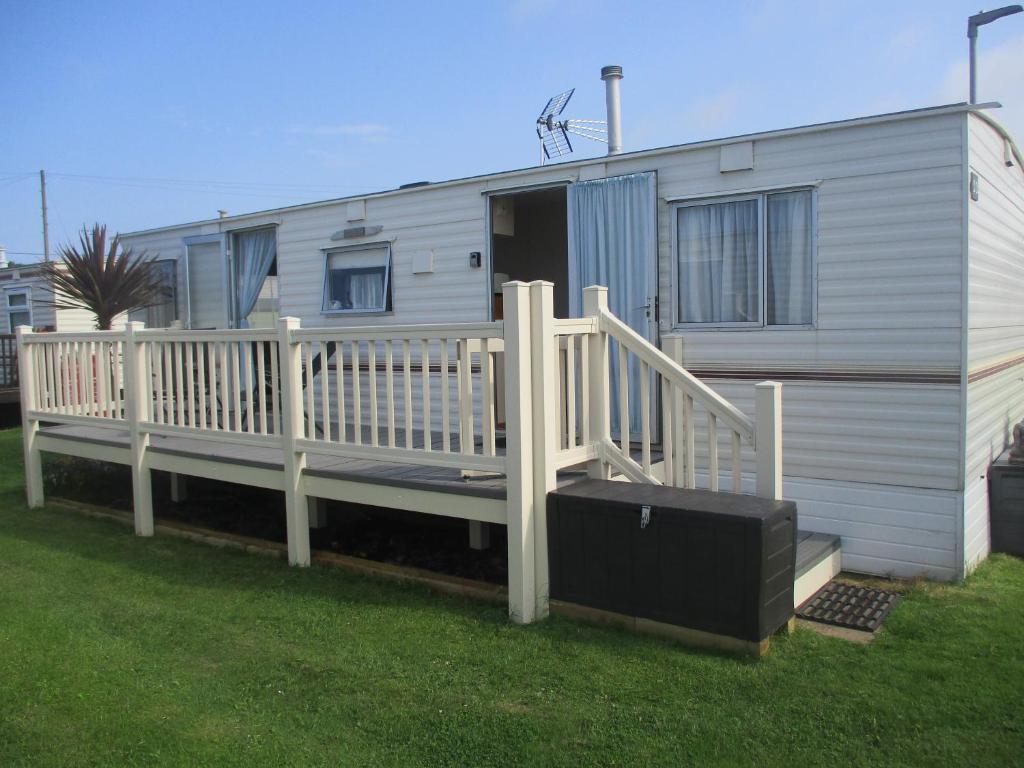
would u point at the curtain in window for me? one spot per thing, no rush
(613, 242)
(254, 255)
(365, 291)
(718, 262)
(789, 258)
(357, 280)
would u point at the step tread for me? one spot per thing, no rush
(812, 548)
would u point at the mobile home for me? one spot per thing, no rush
(874, 266)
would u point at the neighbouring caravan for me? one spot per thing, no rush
(26, 298)
(875, 266)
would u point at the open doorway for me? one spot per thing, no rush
(529, 241)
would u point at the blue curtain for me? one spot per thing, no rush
(254, 254)
(613, 241)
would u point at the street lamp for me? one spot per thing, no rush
(979, 20)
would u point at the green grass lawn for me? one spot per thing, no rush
(116, 650)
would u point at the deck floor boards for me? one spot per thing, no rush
(397, 474)
(811, 547)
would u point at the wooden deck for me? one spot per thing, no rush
(382, 473)
(259, 407)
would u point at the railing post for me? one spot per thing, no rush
(544, 376)
(595, 300)
(522, 592)
(29, 425)
(139, 399)
(295, 501)
(768, 438)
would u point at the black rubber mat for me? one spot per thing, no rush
(847, 605)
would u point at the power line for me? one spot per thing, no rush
(11, 180)
(216, 185)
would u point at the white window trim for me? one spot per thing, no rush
(25, 291)
(389, 296)
(760, 195)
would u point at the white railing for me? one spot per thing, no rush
(212, 384)
(425, 394)
(667, 450)
(77, 377)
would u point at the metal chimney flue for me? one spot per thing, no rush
(612, 75)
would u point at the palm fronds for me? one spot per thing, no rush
(106, 281)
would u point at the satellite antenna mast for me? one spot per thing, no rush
(554, 133)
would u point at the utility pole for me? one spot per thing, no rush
(46, 226)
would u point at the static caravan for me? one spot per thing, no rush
(27, 299)
(874, 266)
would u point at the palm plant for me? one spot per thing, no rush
(106, 281)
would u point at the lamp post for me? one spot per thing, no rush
(979, 20)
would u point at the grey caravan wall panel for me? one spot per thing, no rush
(995, 320)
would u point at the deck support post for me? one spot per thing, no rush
(522, 594)
(595, 301)
(479, 534)
(30, 426)
(317, 512)
(179, 487)
(139, 402)
(295, 501)
(544, 351)
(768, 438)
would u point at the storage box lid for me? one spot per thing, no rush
(735, 504)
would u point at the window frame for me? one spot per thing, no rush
(143, 312)
(761, 196)
(389, 300)
(25, 291)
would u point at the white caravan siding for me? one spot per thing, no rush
(872, 398)
(995, 360)
(871, 395)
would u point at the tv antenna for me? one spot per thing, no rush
(554, 133)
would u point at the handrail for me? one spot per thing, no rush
(80, 336)
(186, 336)
(677, 375)
(493, 330)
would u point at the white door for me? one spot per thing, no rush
(613, 241)
(206, 275)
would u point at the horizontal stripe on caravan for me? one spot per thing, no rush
(851, 375)
(878, 376)
(991, 370)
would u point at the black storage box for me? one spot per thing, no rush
(1006, 506)
(720, 563)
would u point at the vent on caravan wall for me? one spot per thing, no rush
(554, 133)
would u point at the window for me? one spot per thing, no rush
(165, 311)
(746, 261)
(19, 309)
(358, 279)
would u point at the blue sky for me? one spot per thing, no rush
(270, 104)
